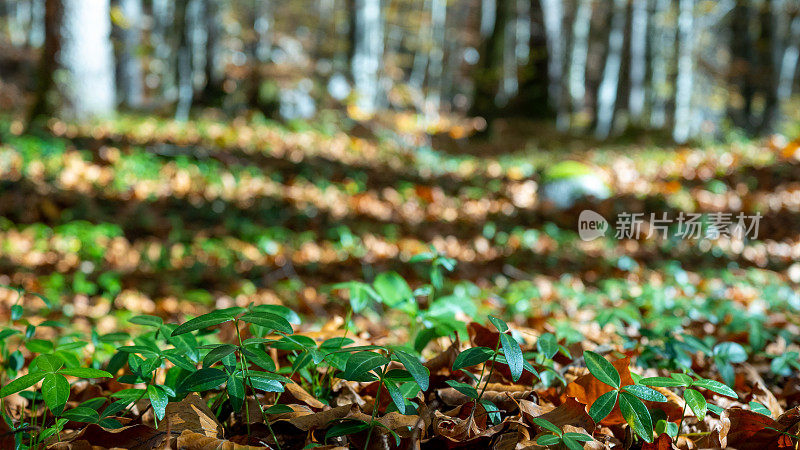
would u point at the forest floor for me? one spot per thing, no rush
(385, 253)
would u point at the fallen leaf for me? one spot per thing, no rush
(191, 414)
(189, 440)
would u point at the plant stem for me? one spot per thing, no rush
(680, 425)
(375, 408)
(246, 372)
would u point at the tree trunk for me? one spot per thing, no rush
(131, 80)
(789, 60)
(87, 55)
(553, 13)
(578, 57)
(367, 54)
(638, 64)
(42, 106)
(607, 92)
(488, 73)
(663, 44)
(184, 66)
(214, 72)
(685, 81)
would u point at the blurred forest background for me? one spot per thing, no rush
(683, 68)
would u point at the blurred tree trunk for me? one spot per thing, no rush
(638, 61)
(488, 73)
(663, 45)
(740, 71)
(214, 73)
(130, 73)
(184, 66)
(609, 86)
(553, 14)
(86, 55)
(367, 54)
(789, 60)
(43, 104)
(579, 54)
(164, 43)
(685, 79)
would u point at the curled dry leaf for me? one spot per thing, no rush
(191, 414)
(189, 440)
(136, 437)
(296, 392)
(747, 430)
(662, 442)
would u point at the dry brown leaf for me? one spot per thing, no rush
(300, 394)
(189, 440)
(323, 418)
(748, 430)
(662, 442)
(136, 437)
(191, 414)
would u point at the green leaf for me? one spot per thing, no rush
(278, 409)
(499, 324)
(259, 357)
(21, 383)
(579, 437)
(637, 416)
(217, 353)
(602, 406)
(207, 320)
(547, 425)
(235, 388)
(464, 388)
(158, 398)
(696, 402)
(267, 381)
(360, 364)
(716, 386)
(48, 363)
(548, 439)
(682, 377)
(345, 428)
(85, 372)
(16, 312)
(39, 346)
(396, 396)
(760, 408)
(278, 310)
(513, 354)
(268, 320)
(570, 443)
(663, 382)
(81, 414)
(147, 320)
(55, 390)
(601, 369)
(645, 393)
(203, 380)
(472, 357)
(418, 371)
(392, 289)
(547, 344)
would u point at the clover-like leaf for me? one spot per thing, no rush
(601, 369)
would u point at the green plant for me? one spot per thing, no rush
(629, 397)
(570, 440)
